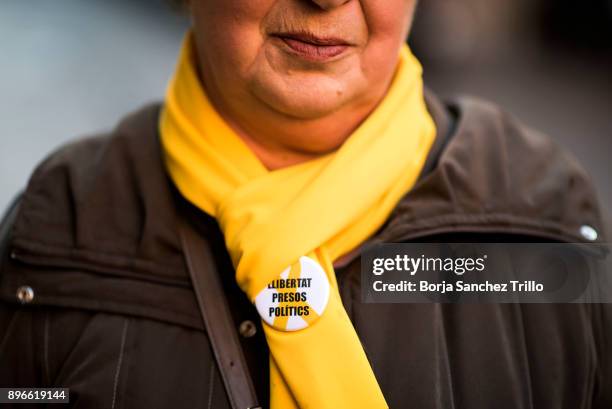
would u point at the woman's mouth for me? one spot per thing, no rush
(312, 47)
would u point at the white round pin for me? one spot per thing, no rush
(588, 232)
(297, 298)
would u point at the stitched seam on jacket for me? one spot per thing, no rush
(503, 221)
(47, 373)
(509, 218)
(159, 314)
(211, 384)
(119, 361)
(88, 255)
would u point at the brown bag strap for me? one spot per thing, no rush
(217, 319)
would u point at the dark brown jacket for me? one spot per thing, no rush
(114, 316)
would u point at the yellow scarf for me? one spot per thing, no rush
(284, 228)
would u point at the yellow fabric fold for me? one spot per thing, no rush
(293, 222)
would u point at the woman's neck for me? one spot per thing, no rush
(289, 142)
(280, 140)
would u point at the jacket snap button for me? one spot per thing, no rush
(247, 329)
(588, 232)
(25, 294)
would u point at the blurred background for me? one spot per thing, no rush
(70, 68)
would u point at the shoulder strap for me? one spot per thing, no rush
(217, 319)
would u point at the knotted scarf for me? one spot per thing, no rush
(284, 228)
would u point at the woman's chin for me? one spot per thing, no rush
(305, 108)
(305, 95)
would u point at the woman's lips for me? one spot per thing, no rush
(313, 48)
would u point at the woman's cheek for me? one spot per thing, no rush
(391, 18)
